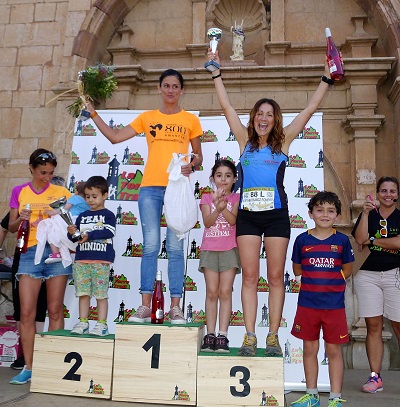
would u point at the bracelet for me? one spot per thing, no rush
(216, 76)
(93, 115)
(327, 80)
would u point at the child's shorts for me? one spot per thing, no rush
(309, 321)
(91, 279)
(220, 261)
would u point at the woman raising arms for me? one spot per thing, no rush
(263, 209)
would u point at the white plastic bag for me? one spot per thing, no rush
(180, 206)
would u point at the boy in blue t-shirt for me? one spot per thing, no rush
(322, 259)
(94, 254)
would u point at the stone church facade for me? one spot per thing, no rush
(45, 43)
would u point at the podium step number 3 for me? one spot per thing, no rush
(73, 365)
(232, 380)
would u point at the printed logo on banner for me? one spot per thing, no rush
(320, 163)
(194, 253)
(180, 394)
(190, 285)
(236, 319)
(74, 158)
(296, 161)
(195, 316)
(95, 388)
(262, 286)
(73, 183)
(291, 354)
(297, 222)
(268, 400)
(265, 318)
(132, 158)
(305, 191)
(208, 137)
(85, 130)
(198, 192)
(163, 222)
(133, 249)
(125, 218)
(291, 286)
(118, 281)
(98, 158)
(309, 133)
(124, 314)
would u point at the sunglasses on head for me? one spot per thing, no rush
(45, 156)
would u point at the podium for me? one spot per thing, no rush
(232, 380)
(156, 363)
(73, 365)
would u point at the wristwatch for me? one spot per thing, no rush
(371, 239)
(327, 80)
(193, 168)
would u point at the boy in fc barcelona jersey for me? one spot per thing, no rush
(322, 260)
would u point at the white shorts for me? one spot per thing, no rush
(378, 293)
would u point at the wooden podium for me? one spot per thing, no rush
(73, 365)
(156, 363)
(232, 380)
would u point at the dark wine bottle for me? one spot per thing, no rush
(157, 301)
(334, 60)
(23, 234)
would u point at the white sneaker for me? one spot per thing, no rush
(99, 329)
(81, 328)
(176, 316)
(142, 314)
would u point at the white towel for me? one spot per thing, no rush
(54, 231)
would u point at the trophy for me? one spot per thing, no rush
(214, 35)
(65, 215)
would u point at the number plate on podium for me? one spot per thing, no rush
(73, 365)
(231, 380)
(156, 363)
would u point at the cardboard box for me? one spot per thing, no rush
(9, 344)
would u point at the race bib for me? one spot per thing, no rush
(258, 199)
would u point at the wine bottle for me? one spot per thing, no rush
(334, 60)
(157, 301)
(23, 234)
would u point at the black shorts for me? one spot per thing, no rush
(274, 223)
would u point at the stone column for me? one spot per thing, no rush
(198, 47)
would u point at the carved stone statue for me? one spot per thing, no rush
(237, 42)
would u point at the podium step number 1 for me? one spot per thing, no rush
(156, 363)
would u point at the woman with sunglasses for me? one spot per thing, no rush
(39, 193)
(377, 283)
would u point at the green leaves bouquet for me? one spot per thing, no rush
(95, 83)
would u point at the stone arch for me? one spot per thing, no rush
(100, 24)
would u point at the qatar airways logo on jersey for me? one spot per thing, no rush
(322, 262)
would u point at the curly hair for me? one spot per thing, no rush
(276, 137)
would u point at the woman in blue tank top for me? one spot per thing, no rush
(263, 210)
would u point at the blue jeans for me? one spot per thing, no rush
(151, 200)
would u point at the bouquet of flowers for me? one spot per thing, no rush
(95, 83)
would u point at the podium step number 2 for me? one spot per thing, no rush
(73, 365)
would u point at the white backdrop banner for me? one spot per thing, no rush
(122, 165)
